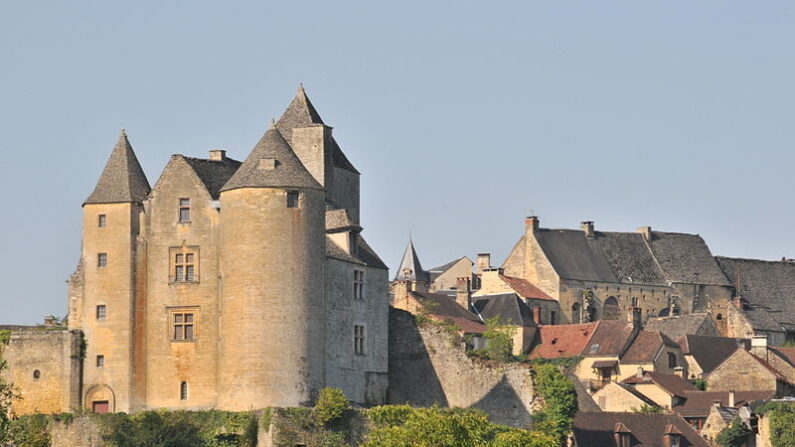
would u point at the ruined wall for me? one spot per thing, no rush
(82, 431)
(427, 367)
(363, 378)
(45, 366)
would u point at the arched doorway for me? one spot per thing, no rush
(576, 318)
(100, 399)
(611, 310)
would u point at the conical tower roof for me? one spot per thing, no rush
(410, 268)
(122, 180)
(300, 113)
(272, 164)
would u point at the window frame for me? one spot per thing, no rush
(184, 207)
(183, 265)
(176, 329)
(102, 260)
(100, 362)
(102, 220)
(293, 199)
(101, 312)
(184, 391)
(358, 284)
(359, 339)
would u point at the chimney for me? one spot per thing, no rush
(646, 232)
(716, 403)
(680, 371)
(738, 302)
(731, 398)
(636, 317)
(639, 373)
(218, 155)
(537, 314)
(531, 223)
(759, 346)
(587, 228)
(484, 262)
(463, 294)
(400, 290)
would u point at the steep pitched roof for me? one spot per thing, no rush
(685, 258)
(606, 257)
(410, 268)
(272, 164)
(787, 354)
(339, 220)
(525, 288)
(671, 383)
(710, 352)
(446, 308)
(213, 173)
(595, 429)
(301, 113)
(364, 254)
(564, 340)
(123, 180)
(435, 272)
(512, 309)
(611, 338)
(698, 403)
(646, 346)
(768, 287)
(678, 326)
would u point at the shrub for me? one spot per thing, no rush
(30, 431)
(560, 399)
(499, 339)
(735, 435)
(330, 406)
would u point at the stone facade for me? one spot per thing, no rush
(743, 371)
(228, 285)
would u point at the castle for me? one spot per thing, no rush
(227, 285)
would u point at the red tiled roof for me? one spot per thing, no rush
(646, 346)
(610, 338)
(525, 288)
(787, 353)
(563, 340)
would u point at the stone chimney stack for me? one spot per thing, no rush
(646, 232)
(587, 228)
(759, 346)
(537, 314)
(463, 293)
(635, 317)
(218, 155)
(680, 371)
(400, 290)
(731, 398)
(531, 223)
(484, 262)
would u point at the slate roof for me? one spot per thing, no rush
(288, 171)
(678, 326)
(646, 346)
(509, 307)
(671, 383)
(698, 403)
(122, 180)
(709, 352)
(446, 308)
(685, 258)
(411, 263)
(525, 288)
(365, 255)
(301, 113)
(213, 173)
(768, 288)
(435, 272)
(339, 220)
(606, 257)
(595, 429)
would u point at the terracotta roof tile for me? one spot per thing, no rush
(525, 288)
(596, 429)
(565, 340)
(646, 346)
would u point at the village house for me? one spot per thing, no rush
(746, 371)
(704, 353)
(665, 390)
(698, 405)
(620, 397)
(677, 326)
(607, 429)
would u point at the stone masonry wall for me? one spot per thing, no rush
(426, 367)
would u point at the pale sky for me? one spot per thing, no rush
(462, 116)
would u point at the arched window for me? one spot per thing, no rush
(576, 318)
(183, 391)
(611, 309)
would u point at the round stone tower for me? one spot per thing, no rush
(273, 281)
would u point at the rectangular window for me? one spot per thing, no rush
(102, 259)
(100, 361)
(358, 284)
(101, 312)
(182, 326)
(183, 264)
(553, 316)
(292, 199)
(671, 360)
(102, 221)
(358, 339)
(184, 210)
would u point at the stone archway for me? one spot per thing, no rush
(100, 399)
(611, 309)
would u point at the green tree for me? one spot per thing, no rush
(499, 339)
(560, 402)
(735, 435)
(331, 405)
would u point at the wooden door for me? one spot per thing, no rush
(100, 406)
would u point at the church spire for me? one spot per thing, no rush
(410, 268)
(123, 180)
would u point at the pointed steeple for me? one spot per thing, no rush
(272, 164)
(410, 268)
(300, 113)
(123, 180)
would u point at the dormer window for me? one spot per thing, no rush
(266, 164)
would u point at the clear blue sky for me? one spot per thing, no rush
(462, 116)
